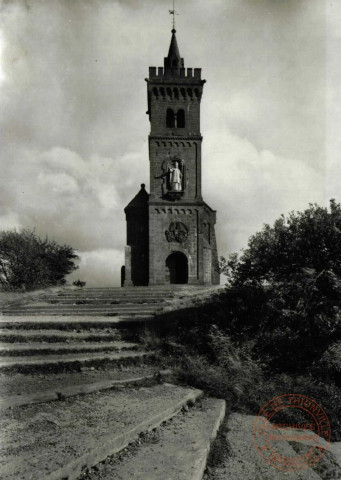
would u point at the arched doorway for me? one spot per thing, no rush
(177, 266)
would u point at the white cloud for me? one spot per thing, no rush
(9, 221)
(75, 134)
(2, 69)
(58, 183)
(250, 187)
(333, 96)
(99, 268)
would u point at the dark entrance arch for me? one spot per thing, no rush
(177, 265)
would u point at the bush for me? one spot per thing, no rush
(230, 374)
(285, 289)
(233, 366)
(247, 384)
(28, 262)
(79, 283)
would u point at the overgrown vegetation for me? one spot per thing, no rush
(28, 262)
(285, 289)
(276, 328)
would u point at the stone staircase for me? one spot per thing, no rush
(78, 389)
(137, 302)
(78, 437)
(80, 398)
(73, 328)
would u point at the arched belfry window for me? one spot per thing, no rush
(170, 118)
(181, 118)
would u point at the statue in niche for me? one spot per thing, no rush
(173, 178)
(176, 175)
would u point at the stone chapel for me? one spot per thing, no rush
(170, 231)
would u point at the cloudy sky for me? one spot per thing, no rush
(74, 131)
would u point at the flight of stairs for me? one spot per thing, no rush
(72, 358)
(134, 302)
(80, 398)
(74, 327)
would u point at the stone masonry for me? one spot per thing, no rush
(170, 232)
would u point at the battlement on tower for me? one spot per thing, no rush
(161, 73)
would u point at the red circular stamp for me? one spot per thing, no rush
(310, 430)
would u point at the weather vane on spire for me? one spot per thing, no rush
(173, 12)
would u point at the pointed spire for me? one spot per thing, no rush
(173, 48)
(174, 59)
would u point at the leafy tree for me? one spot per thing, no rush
(28, 262)
(294, 270)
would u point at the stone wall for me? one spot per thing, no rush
(177, 219)
(160, 153)
(198, 220)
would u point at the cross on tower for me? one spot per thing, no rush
(173, 12)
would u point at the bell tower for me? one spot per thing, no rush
(174, 96)
(181, 237)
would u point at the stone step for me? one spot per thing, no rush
(101, 296)
(176, 450)
(70, 322)
(124, 307)
(18, 389)
(57, 440)
(80, 311)
(69, 361)
(53, 335)
(131, 294)
(98, 301)
(93, 314)
(15, 385)
(152, 288)
(20, 349)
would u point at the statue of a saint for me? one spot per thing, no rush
(175, 177)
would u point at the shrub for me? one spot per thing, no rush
(285, 289)
(79, 283)
(28, 262)
(230, 373)
(228, 366)
(247, 384)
